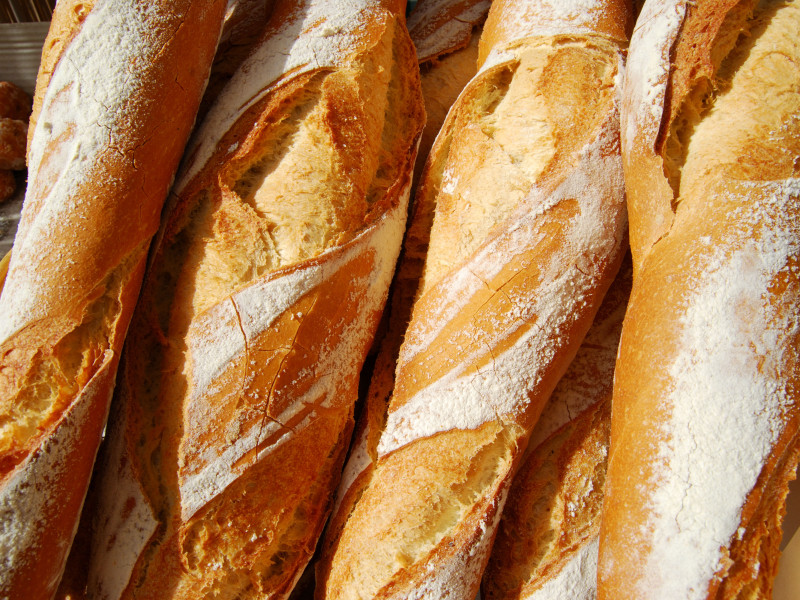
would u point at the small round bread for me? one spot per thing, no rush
(15, 103)
(7, 184)
(13, 136)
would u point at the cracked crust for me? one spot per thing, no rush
(79, 256)
(500, 313)
(260, 303)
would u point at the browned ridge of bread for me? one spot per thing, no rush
(235, 397)
(115, 101)
(527, 235)
(546, 545)
(705, 424)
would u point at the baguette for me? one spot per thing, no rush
(115, 100)
(263, 294)
(525, 241)
(546, 546)
(444, 73)
(705, 425)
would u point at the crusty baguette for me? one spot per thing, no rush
(115, 101)
(705, 424)
(527, 236)
(236, 393)
(546, 545)
(443, 75)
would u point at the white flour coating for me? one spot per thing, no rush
(588, 379)
(552, 18)
(88, 107)
(577, 580)
(217, 466)
(648, 68)
(126, 523)
(458, 401)
(431, 42)
(329, 34)
(453, 578)
(33, 492)
(449, 181)
(214, 338)
(728, 403)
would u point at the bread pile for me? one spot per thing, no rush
(542, 417)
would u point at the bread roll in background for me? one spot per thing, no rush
(528, 234)
(705, 424)
(546, 545)
(116, 97)
(235, 397)
(15, 110)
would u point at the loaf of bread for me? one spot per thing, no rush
(528, 234)
(13, 136)
(546, 545)
(116, 98)
(14, 102)
(443, 73)
(705, 423)
(234, 404)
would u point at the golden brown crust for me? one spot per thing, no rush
(705, 394)
(514, 20)
(261, 301)
(466, 392)
(71, 288)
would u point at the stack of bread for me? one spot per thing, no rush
(542, 418)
